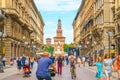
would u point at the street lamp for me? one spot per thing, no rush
(109, 34)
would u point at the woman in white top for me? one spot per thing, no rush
(108, 66)
(78, 61)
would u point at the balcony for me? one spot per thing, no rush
(11, 11)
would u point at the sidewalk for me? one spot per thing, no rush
(8, 71)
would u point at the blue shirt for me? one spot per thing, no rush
(23, 60)
(99, 66)
(43, 65)
(52, 58)
(18, 62)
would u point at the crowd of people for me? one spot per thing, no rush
(105, 65)
(23, 63)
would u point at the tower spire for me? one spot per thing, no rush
(59, 24)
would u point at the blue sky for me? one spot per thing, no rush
(52, 10)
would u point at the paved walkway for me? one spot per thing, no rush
(87, 73)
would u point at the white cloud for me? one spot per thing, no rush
(58, 5)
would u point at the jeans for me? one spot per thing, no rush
(45, 77)
(60, 69)
(3, 63)
(32, 63)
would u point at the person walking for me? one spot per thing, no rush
(19, 65)
(23, 60)
(78, 61)
(60, 63)
(31, 62)
(99, 66)
(107, 63)
(72, 61)
(117, 61)
(52, 58)
(4, 60)
(83, 61)
(42, 67)
(67, 61)
(15, 59)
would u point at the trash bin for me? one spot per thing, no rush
(1, 67)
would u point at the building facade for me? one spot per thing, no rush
(22, 27)
(96, 27)
(104, 28)
(59, 40)
(117, 25)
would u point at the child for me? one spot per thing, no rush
(26, 68)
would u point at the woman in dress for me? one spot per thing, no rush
(99, 66)
(108, 66)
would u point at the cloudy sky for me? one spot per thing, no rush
(52, 10)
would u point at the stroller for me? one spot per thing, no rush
(27, 71)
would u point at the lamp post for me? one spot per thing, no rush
(34, 47)
(109, 34)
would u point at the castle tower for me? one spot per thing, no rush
(59, 40)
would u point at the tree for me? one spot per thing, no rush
(67, 46)
(49, 49)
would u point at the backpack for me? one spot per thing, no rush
(60, 60)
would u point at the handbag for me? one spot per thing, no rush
(51, 72)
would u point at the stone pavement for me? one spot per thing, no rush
(81, 74)
(8, 71)
(87, 73)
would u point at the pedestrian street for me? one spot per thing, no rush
(87, 73)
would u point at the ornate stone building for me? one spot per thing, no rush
(84, 18)
(117, 25)
(22, 27)
(96, 23)
(103, 29)
(59, 40)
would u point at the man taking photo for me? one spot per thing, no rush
(43, 66)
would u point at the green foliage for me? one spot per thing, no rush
(66, 46)
(49, 49)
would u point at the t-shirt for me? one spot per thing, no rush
(107, 63)
(118, 62)
(18, 62)
(60, 60)
(43, 65)
(23, 60)
(52, 58)
(99, 66)
(83, 59)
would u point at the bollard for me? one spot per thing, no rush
(1, 67)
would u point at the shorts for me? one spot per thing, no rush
(108, 72)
